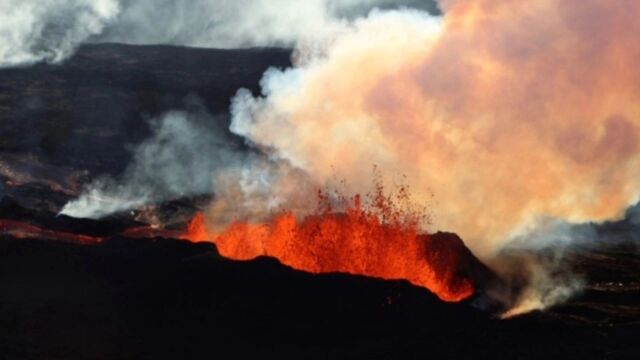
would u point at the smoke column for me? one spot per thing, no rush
(507, 112)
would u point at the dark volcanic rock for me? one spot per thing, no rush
(449, 248)
(159, 298)
(85, 112)
(133, 299)
(63, 125)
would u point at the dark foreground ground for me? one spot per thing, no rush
(129, 298)
(148, 299)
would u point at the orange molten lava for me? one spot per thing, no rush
(197, 230)
(382, 243)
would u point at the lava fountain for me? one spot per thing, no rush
(370, 237)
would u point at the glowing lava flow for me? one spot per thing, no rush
(22, 230)
(381, 243)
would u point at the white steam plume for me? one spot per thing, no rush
(51, 30)
(179, 160)
(32, 31)
(190, 153)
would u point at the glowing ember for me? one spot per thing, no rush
(375, 240)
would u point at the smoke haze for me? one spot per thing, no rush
(51, 30)
(179, 160)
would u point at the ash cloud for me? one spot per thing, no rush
(50, 30)
(509, 114)
(504, 122)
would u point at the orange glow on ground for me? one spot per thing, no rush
(21, 230)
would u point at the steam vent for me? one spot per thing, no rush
(320, 179)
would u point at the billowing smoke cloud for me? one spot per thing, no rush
(37, 30)
(230, 24)
(50, 30)
(520, 119)
(507, 112)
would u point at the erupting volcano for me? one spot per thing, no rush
(204, 188)
(376, 238)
